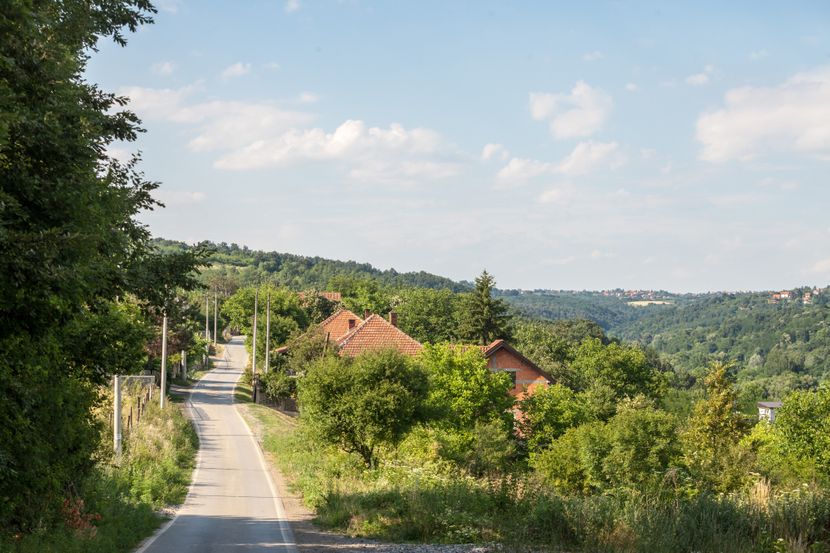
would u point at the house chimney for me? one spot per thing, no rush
(351, 323)
(393, 318)
(366, 314)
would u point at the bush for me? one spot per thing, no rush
(363, 403)
(279, 385)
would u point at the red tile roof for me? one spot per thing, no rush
(337, 325)
(377, 333)
(331, 296)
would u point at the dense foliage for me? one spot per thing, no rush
(299, 272)
(364, 403)
(81, 282)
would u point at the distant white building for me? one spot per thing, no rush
(766, 410)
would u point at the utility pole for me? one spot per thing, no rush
(116, 417)
(163, 393)
(184, 363)
(207, 328)
(253, 360)
(268, 333)
(215, 315)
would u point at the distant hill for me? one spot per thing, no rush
(608, 311)
(300, 272)
(767, 338)
(778, 343)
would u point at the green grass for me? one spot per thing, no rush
(242, 393)
(425, 500)
(154, 472)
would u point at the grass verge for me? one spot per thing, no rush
(423, 500)
(118, 506)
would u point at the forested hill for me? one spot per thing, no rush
(779, 345)
(300, 272)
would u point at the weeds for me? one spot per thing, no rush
(406, 501)
(117, 506)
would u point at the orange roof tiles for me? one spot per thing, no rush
(337, 325)
(331, 296)
(377, 333)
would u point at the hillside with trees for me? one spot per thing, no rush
(778, 347)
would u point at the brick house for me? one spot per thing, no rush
(526, 375)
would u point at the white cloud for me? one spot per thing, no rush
(647, 153)
(519, 169)
(216, 124)
(758, 55)
(163, 68)
(494, 151)
(821, 267)
(552, 196)
(169, 6)
(585, 157)
(698, 79)
(253, 135)
(273, 66)
(371, 153)
(631, 87)
(236, 70)
(120, 154)
(578, 114)
(308, 98)
(592, 56)
(702, 78)
(292, 6)
(588, 156)
(791, 117)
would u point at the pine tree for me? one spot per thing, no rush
(483, 317)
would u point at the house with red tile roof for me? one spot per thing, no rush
(377, 333)
(340, 323)
(336, 297)
(526, 375)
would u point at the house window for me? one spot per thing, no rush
(512, 373)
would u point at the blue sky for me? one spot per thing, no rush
(572, 145)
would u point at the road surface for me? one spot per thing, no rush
(232, 504)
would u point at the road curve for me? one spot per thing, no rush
(232, 504)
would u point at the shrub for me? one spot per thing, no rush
(363, 403)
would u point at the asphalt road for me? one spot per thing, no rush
(233, 504)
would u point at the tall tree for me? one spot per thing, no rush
(68, 236)
(710, 441)
(483, 317)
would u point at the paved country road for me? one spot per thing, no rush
(232, 504)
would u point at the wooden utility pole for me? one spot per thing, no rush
(253, 349)
(116, 416)
(268, 333)
(163, 393)
(215, 315)
(207, 328)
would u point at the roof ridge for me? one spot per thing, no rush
(330, 317)
(343, 340)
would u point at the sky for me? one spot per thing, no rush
(558, 145)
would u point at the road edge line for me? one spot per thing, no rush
(285, 528)
(142, 547)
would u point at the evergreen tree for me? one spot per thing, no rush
(483, 317)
